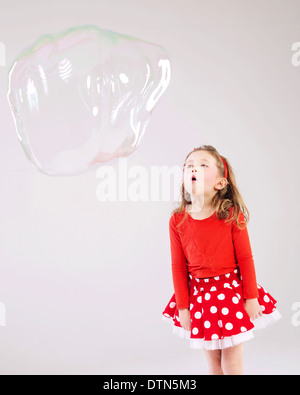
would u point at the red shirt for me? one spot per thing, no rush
(208, 248)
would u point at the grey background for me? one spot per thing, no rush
(84, 282)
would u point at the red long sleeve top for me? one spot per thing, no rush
(207, 248)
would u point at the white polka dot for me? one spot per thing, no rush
(172, 305)
(266, 299)
(190, 276)
(197, 279)
(227, 275)
(238, 295)
(221, 297)
(199, 299)
(191, 306)
(225, 311)
(263, 308)
(206, 280)
(207, 324)
(220, 323)
(235, 300)
(243, 329)
(258, 286)
(195, 331)
(216, 278)
(213, 309)
(214, 337)
(239, 315)
(207, 296)
(227, 285)
(167, 315)
(213, 289)
(198, 314)
(229, 326)
(235, 283)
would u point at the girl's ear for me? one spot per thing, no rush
(222, 183)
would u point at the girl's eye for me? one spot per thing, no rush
(201, 165)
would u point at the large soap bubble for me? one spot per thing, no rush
(84, 97)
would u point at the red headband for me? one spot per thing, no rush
(226, 170)
(225, 165)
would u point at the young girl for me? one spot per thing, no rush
(217, 302)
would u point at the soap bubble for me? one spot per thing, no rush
(84, 97)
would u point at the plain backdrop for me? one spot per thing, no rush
(84, 282)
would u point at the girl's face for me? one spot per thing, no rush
(201, 166)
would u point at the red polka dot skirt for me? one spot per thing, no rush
(218, 318)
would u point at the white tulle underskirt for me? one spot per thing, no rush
(230, 341)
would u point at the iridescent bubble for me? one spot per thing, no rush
(84, 97)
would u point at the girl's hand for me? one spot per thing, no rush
(185, 318)
(253, 308)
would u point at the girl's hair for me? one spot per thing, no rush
(225, 198)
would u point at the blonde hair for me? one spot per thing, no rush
(225, 198)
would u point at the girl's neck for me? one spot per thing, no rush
(196, 214)
(198, 206)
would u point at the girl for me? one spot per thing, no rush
(217, 302)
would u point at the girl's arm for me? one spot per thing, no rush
(241, 242)
(179, 267)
